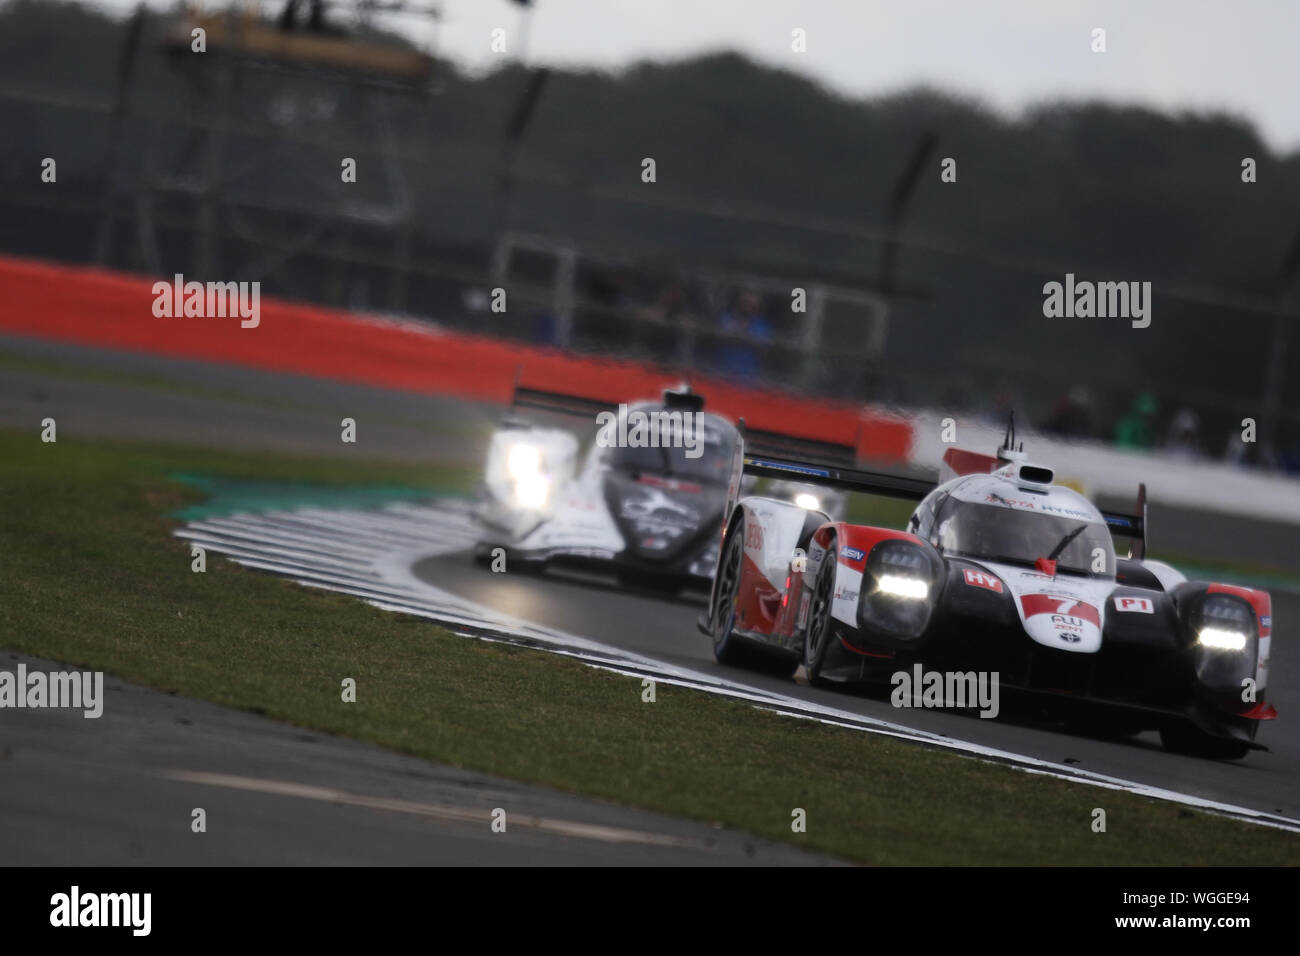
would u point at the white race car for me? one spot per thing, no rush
(652, 513)
(648, 505)
(999, 571)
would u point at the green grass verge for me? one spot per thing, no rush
(91, 577)
(879, 511)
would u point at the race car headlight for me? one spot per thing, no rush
(1222, 639)
(807, 502)
(523, 460)
(904, 586)
(897, 588)
(532, 490)
(1226, 642)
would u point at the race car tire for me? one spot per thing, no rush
(818, 637)
(1192, 741)
(727, 648)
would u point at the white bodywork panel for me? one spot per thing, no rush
(1067, 613)
(580, 524)
(574, 518)
(844, 605)
(772, 549)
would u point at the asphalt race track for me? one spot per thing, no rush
(122, 789)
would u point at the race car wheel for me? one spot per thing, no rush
(1190, 740)
(818, 636)
(726, 646)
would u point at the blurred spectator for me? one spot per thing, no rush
(1072, 415)
(1136, 429)
(740, 359)
(1185, 435)
(669, 305)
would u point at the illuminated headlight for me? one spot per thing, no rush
(532, 490)
(523, 461)
(807, 502)
(897, 604)
(1226, 647)
(905, 587)
(1221, 639)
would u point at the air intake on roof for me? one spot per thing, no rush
(1036, 474)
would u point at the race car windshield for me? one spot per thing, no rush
(713, 464)
(997, 532)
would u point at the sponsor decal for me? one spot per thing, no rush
(1060, 606)
(801, 619)
(1135, 605)
(853, 554)
(996, 499)
(1068, 629)
(672, 484)
(655, 504)
(1071, 512)
(982, 579)
(753, 535)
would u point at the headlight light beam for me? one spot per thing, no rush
(904, 586)
(523, 460)
(1222, 639)
(531, 490)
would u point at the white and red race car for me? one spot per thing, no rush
(999, 571)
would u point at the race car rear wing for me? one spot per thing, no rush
(761, 440)
(778, 445)
(558, 402)
(563, 403)
(1133, 526)
(1121, 524)
(1125, 525)
(835, 476)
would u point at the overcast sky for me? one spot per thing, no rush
(1241, 56)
